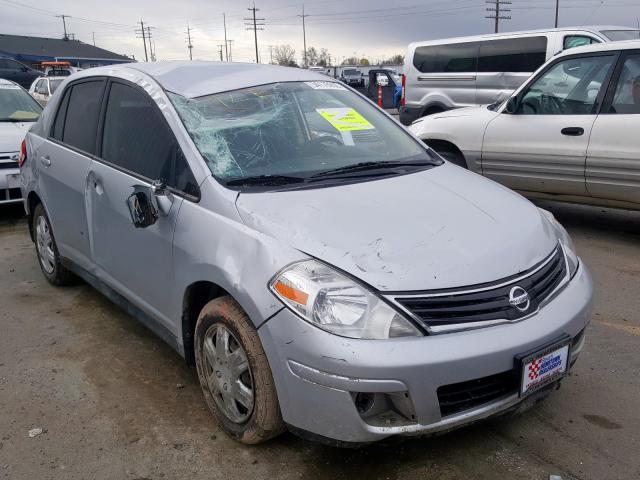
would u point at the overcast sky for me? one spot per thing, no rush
(374, 28)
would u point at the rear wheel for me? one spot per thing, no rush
(234, 373)
(48, 256)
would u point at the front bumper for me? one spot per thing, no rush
(9, 192)
(318, 374)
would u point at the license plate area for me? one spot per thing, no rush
(543, 366)
(13, 180)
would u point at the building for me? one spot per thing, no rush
(33, 50)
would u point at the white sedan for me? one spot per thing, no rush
(570, 132)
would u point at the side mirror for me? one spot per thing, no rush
(161, 197)
(512, 105)
(143, 213)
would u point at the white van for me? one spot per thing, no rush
(459, 72)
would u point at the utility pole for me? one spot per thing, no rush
(304, 37)
(152, 48)
(93, 35)
(270, 53)
(254, 24)
(220, 51)
(189, 44)
(557, 10)
(142, 33)
(64, 25)
(497, 9)
(226, 49)
(230, 54)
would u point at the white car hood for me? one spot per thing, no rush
(439, 228)
(12, 134)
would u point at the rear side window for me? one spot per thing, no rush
(571, 41)
(626, 99)
(450, 58)
(137, 139)
(512, 55)
(82, 115)
(58, 124)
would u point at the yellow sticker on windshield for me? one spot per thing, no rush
(345, 119)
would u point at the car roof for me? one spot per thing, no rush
(4, 81)
(602, 47)
(596, 29)
(199, 78)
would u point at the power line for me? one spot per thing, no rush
(254, 24)
(189, 44)
(304, 36)
(496, 11)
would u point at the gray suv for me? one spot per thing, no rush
(322, 269)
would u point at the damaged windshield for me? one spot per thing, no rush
(288, 132)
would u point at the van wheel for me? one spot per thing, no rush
(234, 373)
(48, 256)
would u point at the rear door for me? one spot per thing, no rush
(63, 163)
(613, 158)
(542, 147)
(137, 147)
(504, 64)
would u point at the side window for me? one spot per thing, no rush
(41, 87)
(451, 58)
(571, 41)
(82, 115)
(4, 64)
(570, 87)
(13, 65)
(137, 139)
(58, 124)
(524, 54)
(626, 99)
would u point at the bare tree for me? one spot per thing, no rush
(396, 59)
(284, 55)
(324, 59)
(312, 57)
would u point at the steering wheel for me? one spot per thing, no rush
(550, 104)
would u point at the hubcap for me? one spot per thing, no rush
(228, 373)
(44, 244)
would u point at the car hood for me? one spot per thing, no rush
(12, 134)
(439, 228)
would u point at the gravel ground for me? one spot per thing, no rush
(115, 402)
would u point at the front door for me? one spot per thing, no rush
(542, 146)
(613, 158)
(137, 147)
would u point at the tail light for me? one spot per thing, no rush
(23, 153)
(404, 89)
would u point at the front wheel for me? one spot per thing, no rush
(234, 373)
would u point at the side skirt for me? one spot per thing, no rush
(126, 305)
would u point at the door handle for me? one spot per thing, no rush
(572, 131)
(45, 160)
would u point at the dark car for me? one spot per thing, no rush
(15, 71)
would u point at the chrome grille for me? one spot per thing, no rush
(9, 160)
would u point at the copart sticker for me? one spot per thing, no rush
(345, 119)
(325, 85)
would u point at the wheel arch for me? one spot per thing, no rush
(445, 145)
(32, 201)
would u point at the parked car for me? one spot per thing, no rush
(323, 269)
(42, 88)
(17, 72)
(568, 133)
(465, 71)
(18, 111)
(352, 77)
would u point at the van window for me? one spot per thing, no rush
(448, 58)
(137, 139)
(524, 54)
(571, 41)
(81, 121)
(627, 97)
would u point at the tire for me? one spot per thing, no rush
(47, 250)
(229, 369)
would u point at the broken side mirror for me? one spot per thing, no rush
(143, 212)
(161, 197)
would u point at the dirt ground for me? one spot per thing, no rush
(116, 403)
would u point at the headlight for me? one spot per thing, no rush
(335, 303)
(565, 240)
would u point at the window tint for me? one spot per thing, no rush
(571, 41)
(58, 125)
(626, 100)
(512, 55)
(451, 58)
(82, 115)
(137, 138)
(570, 87)
(4, 63)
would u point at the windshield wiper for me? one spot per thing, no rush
(265, 180)
(364, 166)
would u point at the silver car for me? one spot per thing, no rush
(323, 270)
